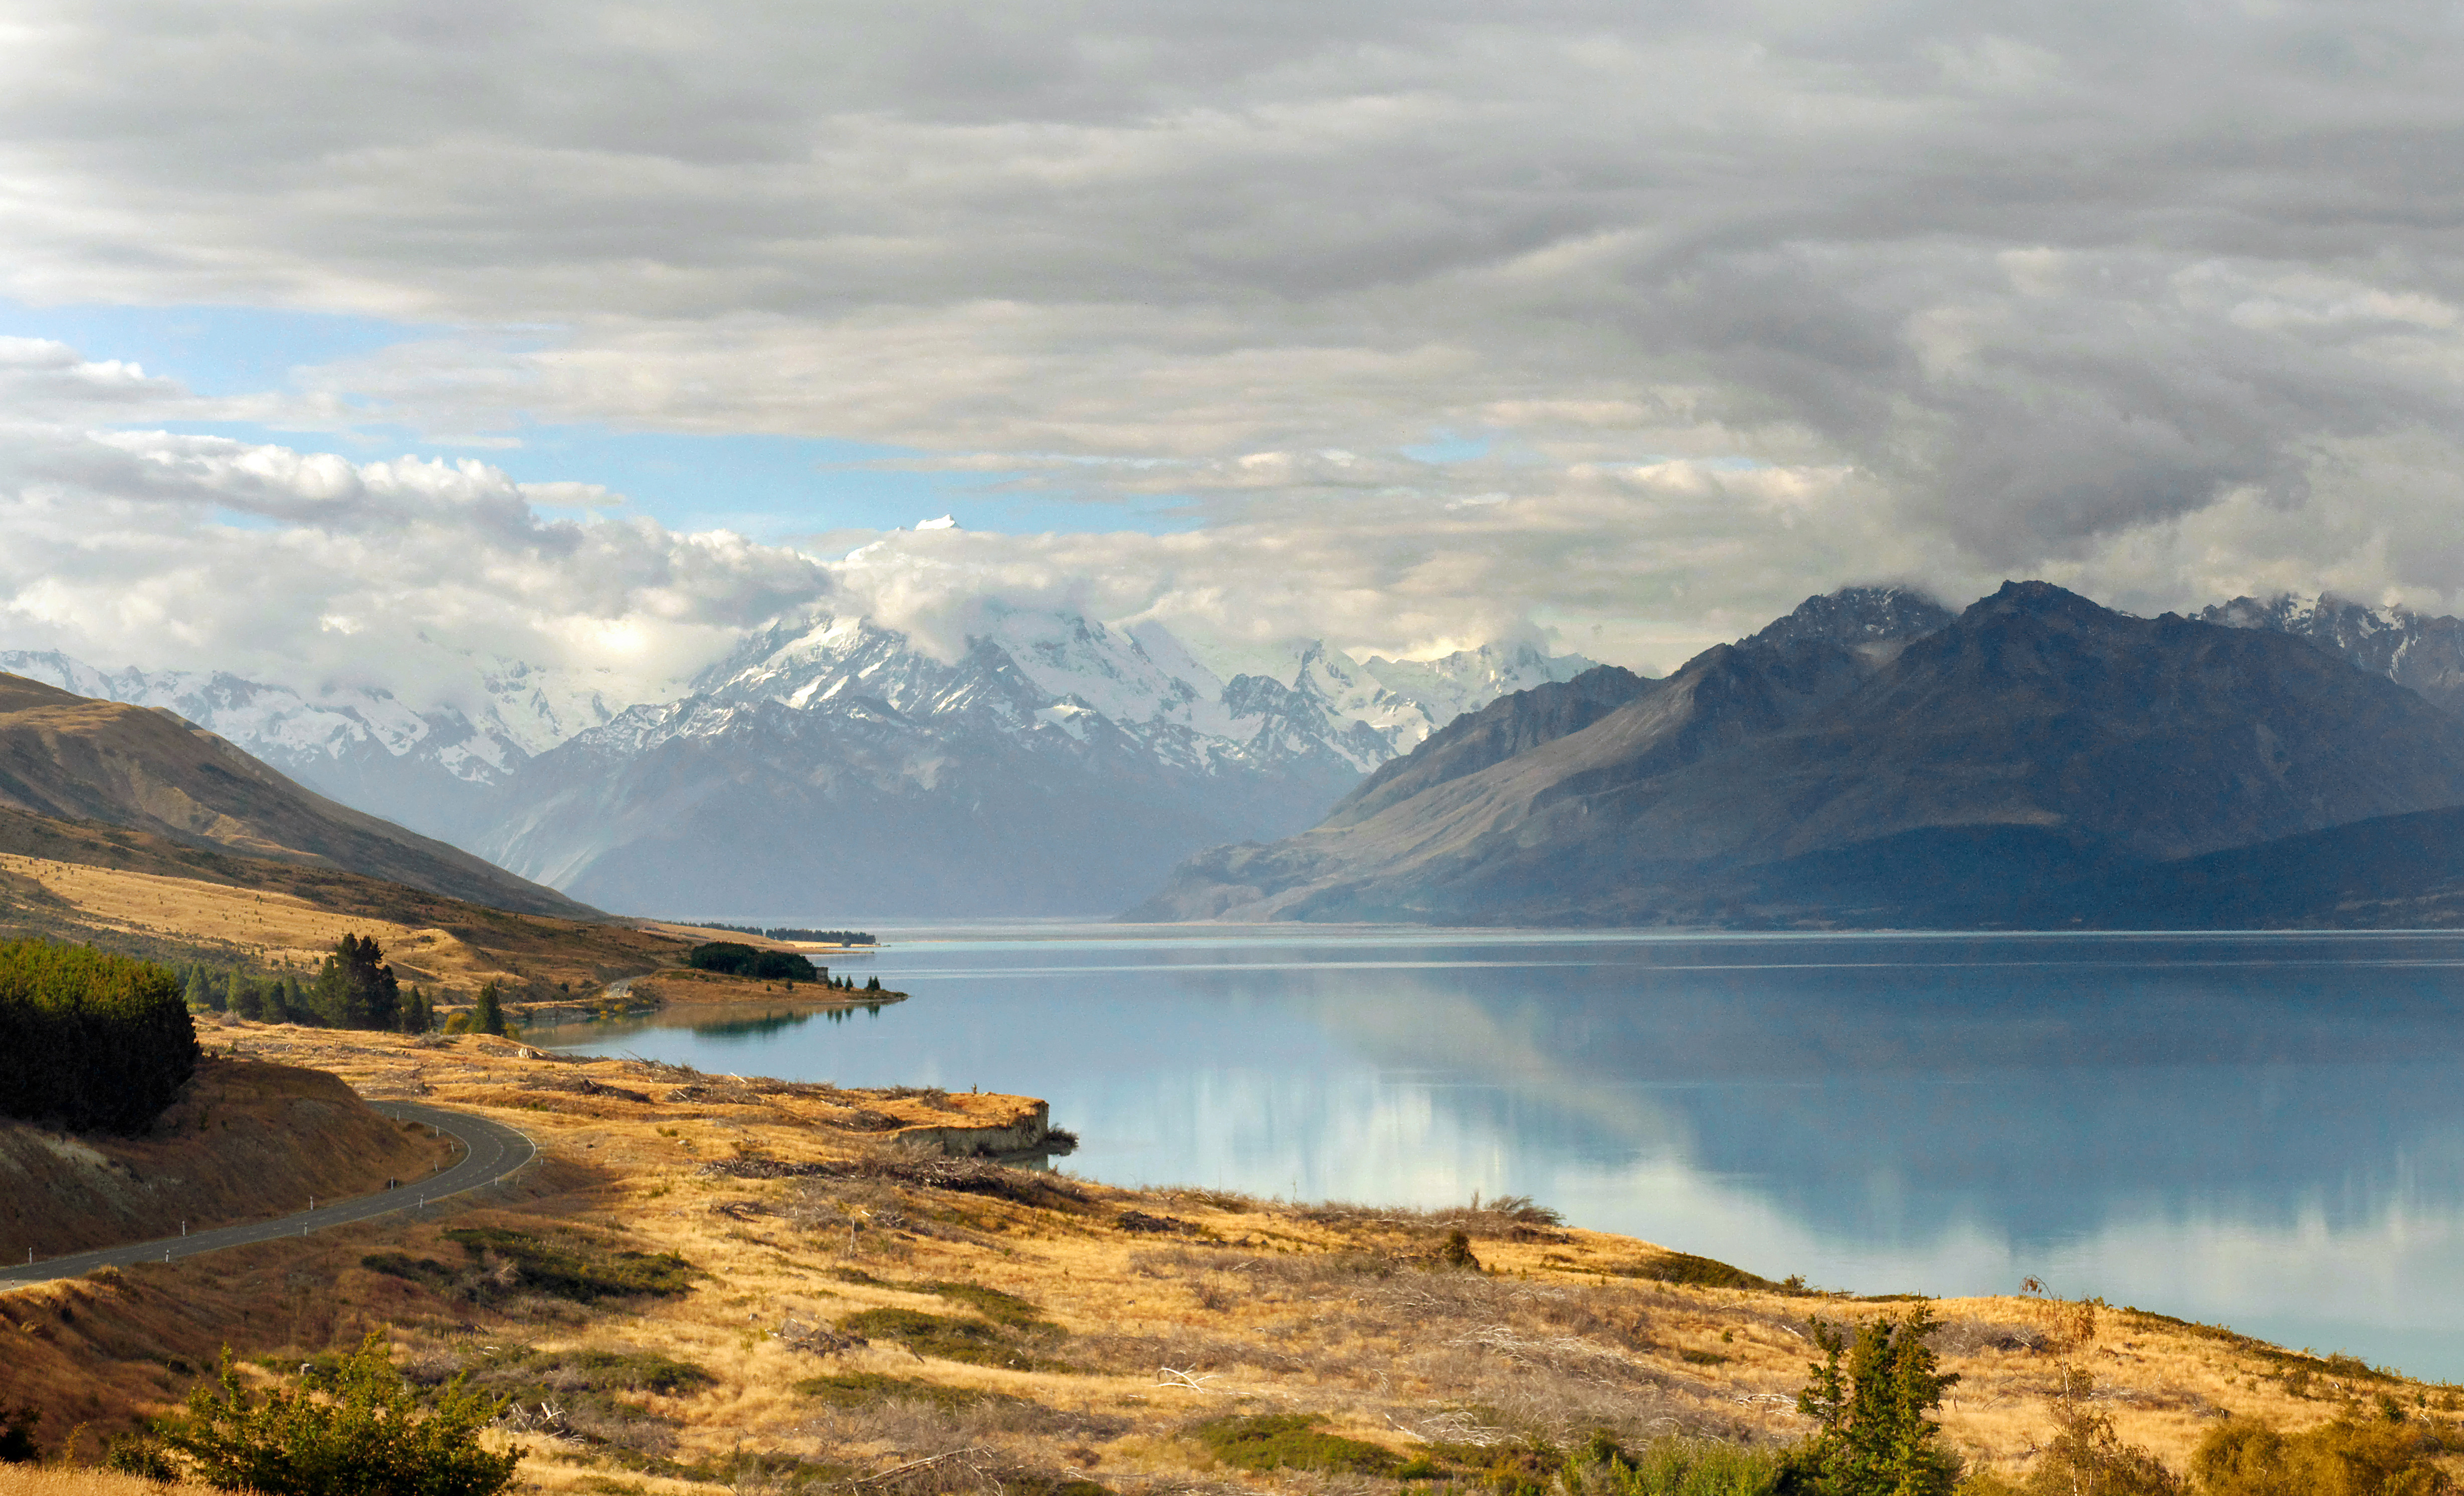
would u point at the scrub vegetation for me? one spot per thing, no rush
(90, 1041)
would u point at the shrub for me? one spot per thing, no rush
(139, 1455)
(89, 1040)
(1292, 1440)
(864, 1389)
(577, 1267)
(2344, 1458)
(945, 1337)
(369, 1438)
(1674, 1465)
(17, 1434)
(2086, 1455)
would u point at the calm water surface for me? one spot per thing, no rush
(2266, 1130)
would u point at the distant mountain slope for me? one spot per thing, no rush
(1054, 765)
(2035, 712)
(72, 757)
(1048, 763)
(2425, 654)
(1497, 732)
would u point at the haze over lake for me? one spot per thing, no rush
(2260, 1129)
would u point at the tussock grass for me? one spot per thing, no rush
(1014, 1327)
(31, 1480)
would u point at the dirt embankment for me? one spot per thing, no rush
(245, 1141)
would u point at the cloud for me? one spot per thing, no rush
(1748, 301)
(147, 547)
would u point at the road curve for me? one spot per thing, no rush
(489, 1151)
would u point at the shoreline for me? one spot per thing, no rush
(848, 1271)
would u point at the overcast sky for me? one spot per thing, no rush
(1626, 326)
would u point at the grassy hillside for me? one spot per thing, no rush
(717, 1284)
(245, 1140)
(67, 756)
(148, 894)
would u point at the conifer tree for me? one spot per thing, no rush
(491, 1015)
(1875, 1439)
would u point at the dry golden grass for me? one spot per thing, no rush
(275, 928)
(1149, 1311)
(30, 1480)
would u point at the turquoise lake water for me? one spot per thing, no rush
(2261, 1130)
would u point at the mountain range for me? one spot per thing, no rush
(1873, 759)
(1055, 765)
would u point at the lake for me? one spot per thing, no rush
(2265, 1131)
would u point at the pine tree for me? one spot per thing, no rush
(491, 1015)
(355, 988)
(1875, 1439)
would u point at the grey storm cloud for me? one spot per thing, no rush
(2158, 298)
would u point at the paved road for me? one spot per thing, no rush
(489, 1151)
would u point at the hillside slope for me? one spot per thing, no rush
(230, 1148)
(145, 895)
(72, 757)
(2057, 737)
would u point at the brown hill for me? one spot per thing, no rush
(228, 1151)
(70, 758)
(147, 895)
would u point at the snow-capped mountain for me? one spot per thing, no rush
(1055, 765)
(2426, 653)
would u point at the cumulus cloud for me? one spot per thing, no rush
(1748, 301)
(148, 547)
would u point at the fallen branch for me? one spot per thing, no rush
(926, 1462)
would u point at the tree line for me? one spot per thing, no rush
(793, 933)
(353, 989)
(88, 1040)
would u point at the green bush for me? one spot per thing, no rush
(1674, 1465)
(1293, 1442)
(2086, 1455)
(88, 1040)
(947, 1337)
(139, 1455)
(575, 1266)
(865, 1389)
(369, 1438)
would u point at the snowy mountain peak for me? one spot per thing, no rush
(2426, 653)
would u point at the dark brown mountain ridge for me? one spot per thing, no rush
(73, 758)
(2035, 740)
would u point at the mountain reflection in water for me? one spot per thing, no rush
(2266, 1130)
